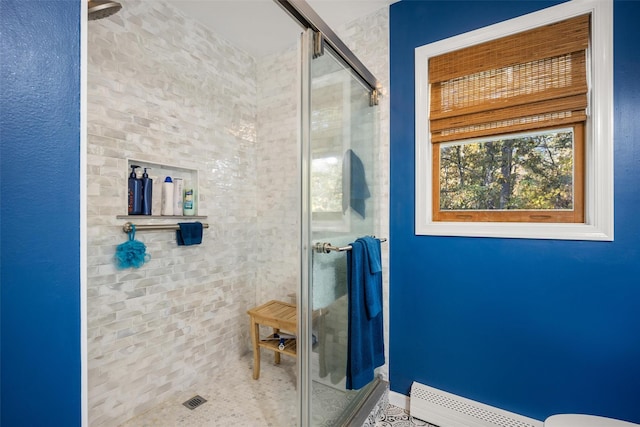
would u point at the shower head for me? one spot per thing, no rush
(99, 9)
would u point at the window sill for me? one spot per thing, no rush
(516, 230)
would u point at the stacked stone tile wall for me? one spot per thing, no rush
(165, 89)
(278, 188)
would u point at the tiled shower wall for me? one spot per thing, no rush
(278, 234)
(164, 89)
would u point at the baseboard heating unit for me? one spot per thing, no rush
(449, 410)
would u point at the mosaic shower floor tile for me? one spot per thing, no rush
(235, 399)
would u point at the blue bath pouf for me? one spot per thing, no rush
(131, 253)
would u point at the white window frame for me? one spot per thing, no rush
(598, 130)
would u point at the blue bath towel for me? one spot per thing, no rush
(190, 233)
(365, 348)
(357, 188)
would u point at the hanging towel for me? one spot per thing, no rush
(354, 190)
(190, 233)
(365, 350)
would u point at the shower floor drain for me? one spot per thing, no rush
(194, 402)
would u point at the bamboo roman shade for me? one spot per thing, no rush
(528, 80)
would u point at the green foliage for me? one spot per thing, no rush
(526, 172)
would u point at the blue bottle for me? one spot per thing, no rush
(147, 192)
(135, 193)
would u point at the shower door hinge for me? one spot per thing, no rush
(318, 46)
(373, 98)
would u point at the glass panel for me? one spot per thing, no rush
(342, 201)
(326, 188)
(532, 171)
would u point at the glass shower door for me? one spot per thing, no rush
(341, 205)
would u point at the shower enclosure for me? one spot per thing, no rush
(339, 204)
(285, 147)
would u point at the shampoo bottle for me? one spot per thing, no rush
(167, 196)
(134, 196)
(147, 192)
(177, 196)
(189, 200)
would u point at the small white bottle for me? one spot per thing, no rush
(167, 196)
(178, 188)
(189, 207)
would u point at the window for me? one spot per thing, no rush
(514, 137)
(326, 189)
(331, 134)
(529, 177)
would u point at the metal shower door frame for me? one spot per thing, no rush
(304, 14)
(313, 39)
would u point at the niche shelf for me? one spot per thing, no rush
(158, 172)
(138, 217)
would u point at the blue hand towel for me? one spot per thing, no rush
(365, 347)
(373, 292)
(356, 186)
(190, 233)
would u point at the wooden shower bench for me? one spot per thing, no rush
(279, 316)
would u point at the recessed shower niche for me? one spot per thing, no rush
(158, 173)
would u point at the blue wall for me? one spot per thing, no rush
(40, 206)
(535, 327)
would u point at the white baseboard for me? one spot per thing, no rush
(399, 400)
(446, 409)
